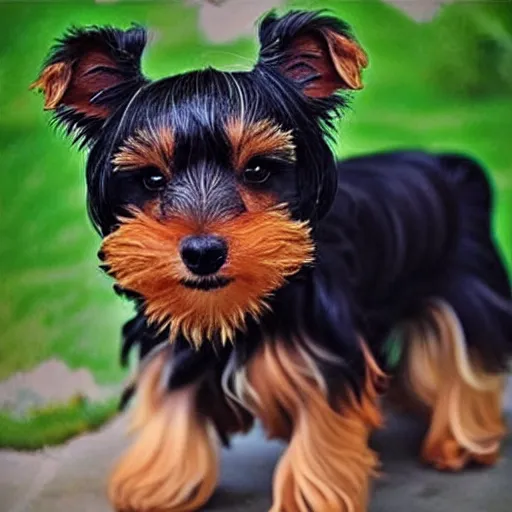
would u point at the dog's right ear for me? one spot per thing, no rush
(89, 74)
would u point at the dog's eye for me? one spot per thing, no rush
(153, 179)
(256, 174)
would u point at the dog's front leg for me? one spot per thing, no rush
(328, 465)
(173, 464)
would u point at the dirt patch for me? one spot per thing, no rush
(50, 382)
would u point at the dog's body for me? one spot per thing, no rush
(410, 227)
(278, 274)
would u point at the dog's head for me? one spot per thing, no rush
(206, 185)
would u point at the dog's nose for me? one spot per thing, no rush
(204, 255)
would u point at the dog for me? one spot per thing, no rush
(268, 278)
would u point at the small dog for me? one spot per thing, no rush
(268, 278)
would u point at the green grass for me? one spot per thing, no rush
(423, 89)
(54, 424)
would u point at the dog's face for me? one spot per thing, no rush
(205, 184)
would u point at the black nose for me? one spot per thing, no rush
(204, 255)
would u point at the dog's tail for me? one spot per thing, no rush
(476, 284)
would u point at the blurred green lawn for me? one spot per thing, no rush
(54, 424)
(54, 301)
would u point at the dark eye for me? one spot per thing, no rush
(256, 173)
(153, 179)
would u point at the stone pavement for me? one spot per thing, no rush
(71, 478)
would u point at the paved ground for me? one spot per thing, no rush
(71, 478)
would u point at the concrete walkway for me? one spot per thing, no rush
(71, 478)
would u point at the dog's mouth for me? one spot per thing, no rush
(207, 283)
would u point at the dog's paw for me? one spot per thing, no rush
(449, 455)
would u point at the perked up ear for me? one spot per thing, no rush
(316, 51)
(89, 74)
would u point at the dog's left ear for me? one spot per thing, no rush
(316, 51)
(89, 74)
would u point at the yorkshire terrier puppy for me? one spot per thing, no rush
(268, 277)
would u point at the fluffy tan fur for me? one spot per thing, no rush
(153, 148)
(264, 249)
(465, 402)
(249, 140)
(53, 81)
(256, 200)
(328, 464)
(336, 59)
(173, 464)
(348, 58)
